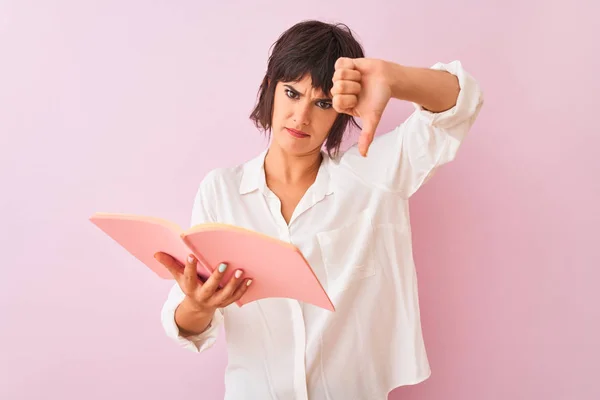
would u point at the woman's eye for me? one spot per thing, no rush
(291, 94)
(325, 105)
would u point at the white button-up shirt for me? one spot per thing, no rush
(352, 225)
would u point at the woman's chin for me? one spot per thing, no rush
(295, 146)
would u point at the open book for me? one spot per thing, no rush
(277, 268)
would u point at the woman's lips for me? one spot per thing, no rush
(298, 134)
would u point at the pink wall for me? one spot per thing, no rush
(124, 105)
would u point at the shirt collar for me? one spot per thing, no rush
(253, 177)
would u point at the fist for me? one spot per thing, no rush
(361, 89)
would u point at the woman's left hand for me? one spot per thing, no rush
(361, 88)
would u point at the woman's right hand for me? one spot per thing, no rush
(205, 297)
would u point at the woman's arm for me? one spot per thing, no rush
(434, 90)
(364, 86)
(447, 100)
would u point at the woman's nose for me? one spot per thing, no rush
(302, 114)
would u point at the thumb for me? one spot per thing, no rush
(367, 134)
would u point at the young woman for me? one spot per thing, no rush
(347, 212)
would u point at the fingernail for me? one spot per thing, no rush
(238, 273)
(190, 258)
(222, 267)
(249, 282)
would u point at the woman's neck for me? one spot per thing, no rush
(283, 168)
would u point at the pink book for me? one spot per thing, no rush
(277, 268)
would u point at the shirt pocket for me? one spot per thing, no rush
(347, 251)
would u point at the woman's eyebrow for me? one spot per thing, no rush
(300, 94)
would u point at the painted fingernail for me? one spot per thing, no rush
(249, 282)
(238, 273)
(222, 267)
(190, 258)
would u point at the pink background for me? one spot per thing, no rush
(124, 105)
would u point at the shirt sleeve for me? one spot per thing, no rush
(204, 340)
(403, 159)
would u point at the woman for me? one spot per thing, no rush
(348, 214)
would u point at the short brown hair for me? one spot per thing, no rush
(309, 47)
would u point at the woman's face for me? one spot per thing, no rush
(302, 117)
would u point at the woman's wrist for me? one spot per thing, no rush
(193, 319)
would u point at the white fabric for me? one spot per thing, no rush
(353, 227)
